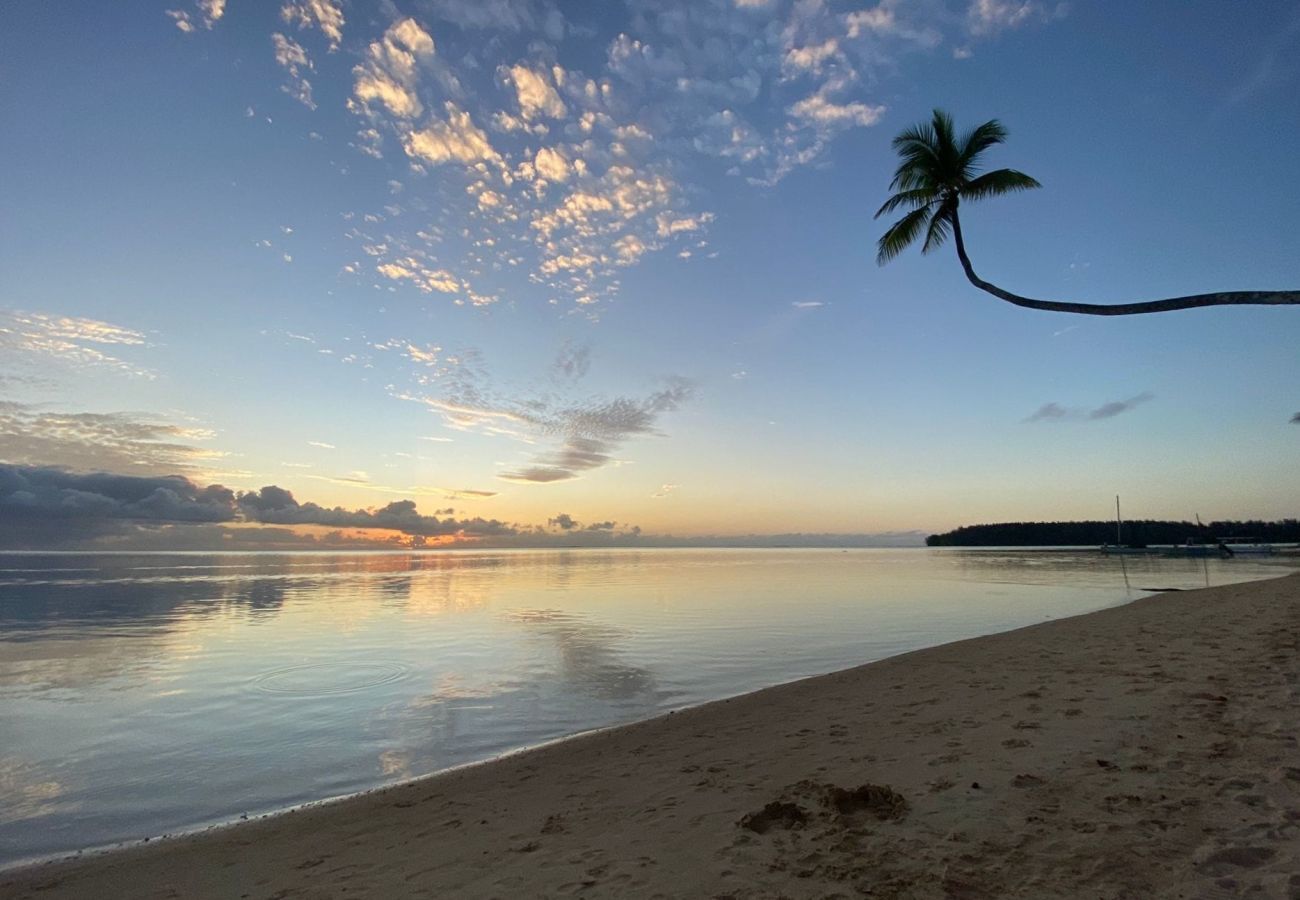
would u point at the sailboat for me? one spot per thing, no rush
(1118, 547)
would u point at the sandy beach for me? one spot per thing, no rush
(1146, 751)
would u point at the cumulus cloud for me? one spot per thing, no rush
(390, 73)
(209, 12)
(571, 162)
(563, 521)
(453, 139)
(45, 506)
(1055, 412)
(326, 15)
(535, 92)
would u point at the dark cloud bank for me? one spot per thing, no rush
(50, 508)
(46, 507)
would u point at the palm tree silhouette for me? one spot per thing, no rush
(938, 170)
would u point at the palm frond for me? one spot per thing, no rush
(940, 228)
(915, 177)
(945, 142)
(901, 234)
(915, 134)
(913, 198)
(999, 181)
(978, 139)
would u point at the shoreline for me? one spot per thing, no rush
(655, 805)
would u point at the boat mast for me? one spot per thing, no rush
(1119, 542)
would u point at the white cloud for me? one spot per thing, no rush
(391, 70)
(534, 91)
(551, 164)
(454, 139)
(327, 15)
(69, 340)
(827, 113)
(991, 16)
(424, 278)
(812, 57)
(293, 59)
(210, 12)
(98, 442)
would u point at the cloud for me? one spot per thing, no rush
(69, 340)
(573, 360)
(390, 72)
(48, 506)
(534, 91)
(453, 139)
(1048, 412)
(322, 445)
(34, 435)
(987, 17)
(210, 11)
(1054, 412)
(663, 491)
(541, 179)
(592, 433)
(1115, 407)
(580, 434)
(293, 59)
(1295, 420)
(563, 521)
(327, 15)
(807, 304)
(507, 15)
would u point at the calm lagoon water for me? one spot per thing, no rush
(146, 694)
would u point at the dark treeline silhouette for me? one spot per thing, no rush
(1139, 533)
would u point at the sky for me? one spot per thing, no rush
(518, 271)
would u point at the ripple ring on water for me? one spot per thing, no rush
(320, 679)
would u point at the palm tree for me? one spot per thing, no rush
(938, 171)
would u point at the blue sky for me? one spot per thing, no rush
(616, 261)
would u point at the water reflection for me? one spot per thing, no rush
(588, 654)
(142, 694)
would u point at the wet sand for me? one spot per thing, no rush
(1146, 751)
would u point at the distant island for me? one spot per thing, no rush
(1139, 533)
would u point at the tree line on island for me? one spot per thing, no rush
(1139, 533)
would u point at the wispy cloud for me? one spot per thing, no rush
(131, 442)
(1055, 412)
(577, 434)
(988, 17)
(1277, 50)
(1295, 420)
(70, 340)
(294, 60)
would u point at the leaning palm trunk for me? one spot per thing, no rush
(1194, 301)
(938, 169)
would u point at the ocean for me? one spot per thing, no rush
(145, 694)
